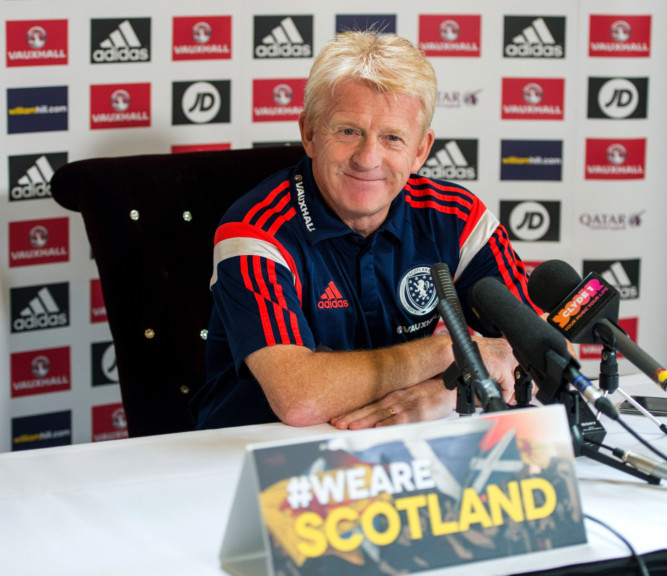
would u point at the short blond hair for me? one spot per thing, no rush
(387, 62)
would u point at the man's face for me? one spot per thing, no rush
(363, 151)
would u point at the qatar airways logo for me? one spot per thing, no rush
(593, 290)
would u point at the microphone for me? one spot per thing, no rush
(467, 356)
(539, 348)
(586, 312)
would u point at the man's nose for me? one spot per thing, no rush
(367, 154)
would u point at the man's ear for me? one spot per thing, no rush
(307, 133)
(423, 150)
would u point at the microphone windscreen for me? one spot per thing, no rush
(551, 282)
(529, 336)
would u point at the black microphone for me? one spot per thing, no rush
(467, 356)
(586, 312)
(539, 348)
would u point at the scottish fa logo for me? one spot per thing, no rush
(416, 291)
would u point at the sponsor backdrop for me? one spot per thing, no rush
(551, 112)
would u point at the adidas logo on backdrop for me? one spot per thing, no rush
(39, 307)
(534, 37)
(283, 37)
(451, 160)
(120, 40)
(30, 175)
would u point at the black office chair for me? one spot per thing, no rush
(151, 221)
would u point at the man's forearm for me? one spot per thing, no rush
(306, 387)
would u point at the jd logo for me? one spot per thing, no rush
(617, 98)
(204, 102)
(531, 221)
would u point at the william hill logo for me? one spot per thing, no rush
(120, 40)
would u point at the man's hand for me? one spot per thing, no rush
(428, 400)
(500, 362)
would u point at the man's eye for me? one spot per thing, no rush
(394, 138)
(348, 131)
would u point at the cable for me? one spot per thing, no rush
(638, 437)
(638, 559)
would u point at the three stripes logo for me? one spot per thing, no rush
(332, 298)
(283, 37)
(534, 37)
(120, 40)
(30, 175)
(621, 274)
(451, 160)
(40, 307)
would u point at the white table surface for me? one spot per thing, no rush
(160, 504)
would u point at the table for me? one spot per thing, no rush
(160, 504)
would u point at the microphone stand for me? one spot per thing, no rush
(454, 377)
(585, 427)
(609, 380)
(523, 388)
(588, 433)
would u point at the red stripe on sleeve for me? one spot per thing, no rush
(266, 202)
(477, 210)
(240, 230)
(261, 302)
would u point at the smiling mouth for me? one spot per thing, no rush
(363, 178)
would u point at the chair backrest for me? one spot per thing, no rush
(151, 221)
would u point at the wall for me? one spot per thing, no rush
(572, 165)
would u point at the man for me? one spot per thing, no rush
(324, 310)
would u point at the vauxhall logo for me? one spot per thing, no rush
(617, 98)
(120, 40)
(283, 37)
